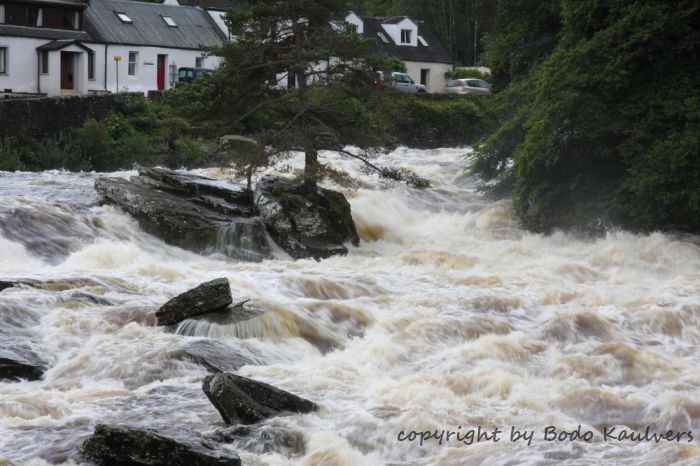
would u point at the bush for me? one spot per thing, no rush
(436, 120)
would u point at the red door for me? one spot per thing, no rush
(161, 72)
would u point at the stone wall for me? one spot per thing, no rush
(43, 117)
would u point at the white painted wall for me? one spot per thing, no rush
(394, 31)
(436, 76)
(352, 18)
(22, 64)
(23, 67)
(146, 77)
(218, 17)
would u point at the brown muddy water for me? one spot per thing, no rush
(447, 318)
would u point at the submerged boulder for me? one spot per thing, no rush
(211, 296)
(126, 446)
(239, 399)
(193, 212)
(305, 222)
(14, 366)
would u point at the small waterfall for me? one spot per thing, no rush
(243, 240)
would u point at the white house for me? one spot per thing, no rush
(427, 61)
(68, 47)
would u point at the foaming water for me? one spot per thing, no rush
(446, 317)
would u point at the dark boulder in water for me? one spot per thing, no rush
(239, 399)
(195, 213)
(16, 366)
(211, 296)
(206, 215)
(126, 446)
(305, 222)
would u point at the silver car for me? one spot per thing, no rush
(468, 86)
(403, 82)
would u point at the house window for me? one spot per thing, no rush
(169, 21)
(405, 36)
(424, 77)
(133, 61)
(198, 62)
(2, 14)
(351, 27)
(3, 60)
(123, 17)
(91, 65)
(44, 62)
(35, 16)
(173, 74)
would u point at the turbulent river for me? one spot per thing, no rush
(447, 317)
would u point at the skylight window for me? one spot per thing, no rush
(123, 17)
(169, 21)
(422, 41)
(383, 38)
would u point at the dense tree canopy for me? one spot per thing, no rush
(603, 128)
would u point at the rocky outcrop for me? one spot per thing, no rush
(14, 366)
(239, 399)
(125, 446)
(305, 222)
(206, 215)
(211, 296)
(193, 212)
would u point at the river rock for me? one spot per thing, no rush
(305, 222)
(192, 212)
(125, 446)
(16, 366)
(6, 285)
(211, 296)
(239, 399)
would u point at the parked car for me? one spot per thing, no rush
(468, 86)
(400, 81)
(187, 75)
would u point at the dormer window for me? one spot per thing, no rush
(351, 27)
(169, 21)
(35, 16)
(405, 36)
(123, 17)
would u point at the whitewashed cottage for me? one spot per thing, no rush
(70, 47)
(427, 61)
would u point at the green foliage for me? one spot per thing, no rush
(605, 130)
(430, 120)
(461, 73)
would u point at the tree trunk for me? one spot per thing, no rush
(310, 166)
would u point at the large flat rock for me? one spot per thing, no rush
(211, 296)
(240, 399)
(126, 446)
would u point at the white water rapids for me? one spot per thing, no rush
(446, 315)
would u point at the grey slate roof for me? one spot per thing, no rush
(213, 4)
(42, 33)
(60, 44)
(433, 53)
(194, 26)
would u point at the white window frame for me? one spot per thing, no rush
(44, 53)
(169, 21)
(133, 66)
(3, 60)
(407, 35)
(123, 17)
